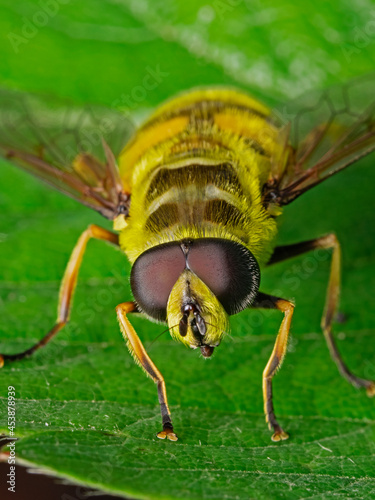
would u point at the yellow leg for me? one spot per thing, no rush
(67, 288)
(276, 358)
(141, 357)
(333, 292)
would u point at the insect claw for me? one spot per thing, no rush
(279, 435)
(167, 433)
(370, 390)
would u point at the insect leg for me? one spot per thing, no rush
(67, 288)
(333, 290)
(141, 357)
(279, 350)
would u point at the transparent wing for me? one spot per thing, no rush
(323, 133)
(71, 148)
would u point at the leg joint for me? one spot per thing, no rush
(328, 241)
(285, 306)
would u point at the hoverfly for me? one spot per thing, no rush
(194, 196)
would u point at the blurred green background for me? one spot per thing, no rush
(85, 381)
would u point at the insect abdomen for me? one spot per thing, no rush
(202, 174)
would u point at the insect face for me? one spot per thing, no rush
(195, 285)
(195, 316)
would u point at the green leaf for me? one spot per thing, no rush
(85, 411)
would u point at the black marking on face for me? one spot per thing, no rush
(194, 328)
(191, 315)
(183, 326)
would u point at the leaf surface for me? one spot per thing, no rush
(84, 410)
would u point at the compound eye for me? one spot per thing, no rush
(153, 275)
(228, 269)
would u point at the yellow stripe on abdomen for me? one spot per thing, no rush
(223, 97)
(196, 168)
